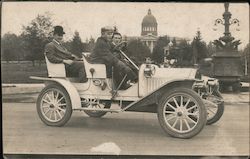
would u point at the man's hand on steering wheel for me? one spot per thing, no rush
(120, 45)
(123, 54)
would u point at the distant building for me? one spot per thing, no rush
(149, 25)
(149, 32)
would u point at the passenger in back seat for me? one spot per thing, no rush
(57, 53)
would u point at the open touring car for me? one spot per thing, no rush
(183, 103)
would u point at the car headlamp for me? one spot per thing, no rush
(212, 82)
(149, 71)
(199, 84)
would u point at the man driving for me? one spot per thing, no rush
(102, 53)
(57, 53)
(117, 45)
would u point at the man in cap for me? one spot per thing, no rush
(102, 53)
(57, 53)
(102, 50)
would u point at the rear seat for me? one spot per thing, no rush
(58, 70)
(55, 70)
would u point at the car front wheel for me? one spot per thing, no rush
(181, 113)
(216, 110)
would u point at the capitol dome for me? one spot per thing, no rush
(149, 24)
(149, 18)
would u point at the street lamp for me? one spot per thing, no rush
(227, 22)
(231, 22)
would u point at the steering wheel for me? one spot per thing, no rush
(126, 57)
(118, 45)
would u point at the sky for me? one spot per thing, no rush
(174, 19)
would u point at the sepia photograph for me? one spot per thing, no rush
(125, 78)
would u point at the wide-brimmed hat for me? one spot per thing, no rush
(58, 30)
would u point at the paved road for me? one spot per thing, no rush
(126, 133)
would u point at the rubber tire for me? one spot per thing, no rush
(203, 113)
(219, 112)
(97, 114)
(68, 112)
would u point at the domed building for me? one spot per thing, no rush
(149, 30)
(149, 24)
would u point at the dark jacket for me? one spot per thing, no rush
(56, 53)
(102, 53)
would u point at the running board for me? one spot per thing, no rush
(101, 110)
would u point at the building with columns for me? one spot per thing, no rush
(149, 30)
(149, 24)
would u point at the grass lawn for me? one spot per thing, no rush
(20, 72)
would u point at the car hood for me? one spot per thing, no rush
(175, 73)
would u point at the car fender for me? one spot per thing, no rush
(149, 102)
(187, 83)
(72, 91)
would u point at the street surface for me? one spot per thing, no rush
(128, 133)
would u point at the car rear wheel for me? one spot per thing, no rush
(54, 105)
(96, 113)
(181, 113)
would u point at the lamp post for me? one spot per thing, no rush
(227, 38)
(226, 61)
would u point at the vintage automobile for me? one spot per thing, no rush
(174, 94)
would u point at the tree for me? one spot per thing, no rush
(199, 48)
(185, 53)
(211, 49)
(76, 45)
(36, 35)
(11, 48)
(174, 42)
(137, 51)
(89, 45)
(182, 52)
(158, 50)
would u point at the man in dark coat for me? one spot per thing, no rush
(102, 53)
(102, 50)
(57, 53)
